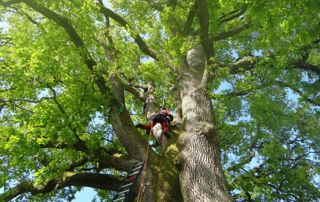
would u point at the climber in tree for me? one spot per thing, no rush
(159, 125)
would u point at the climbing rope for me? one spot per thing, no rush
(144, 172)
(159, 165)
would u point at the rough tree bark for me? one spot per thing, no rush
(190, 168)
(200, 171)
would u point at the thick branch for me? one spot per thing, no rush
(122, 123)
(117, 161)
(99, 181)
(203, 15)
(189, 21)
(230, 33)
(307, 66)
(134, 92)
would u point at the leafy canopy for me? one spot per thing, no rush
(267, 115)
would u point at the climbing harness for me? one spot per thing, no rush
(128, 182)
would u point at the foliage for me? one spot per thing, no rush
(267, 116)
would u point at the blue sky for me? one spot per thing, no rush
(85, 195)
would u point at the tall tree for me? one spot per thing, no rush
(242, 78)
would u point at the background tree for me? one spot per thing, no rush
(242, 77)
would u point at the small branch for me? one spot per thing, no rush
(156, 6)
(230, 33)
(142, 86)
(135, 35)
(134, 92)
(5, 41)
(137, 38)
(243, 162)
(56, 101)
(12, 102)
(26, 15)
(60, 20)
(306, 98)
(232, 15)
(61, 145)
(24, 100)
(242, 65)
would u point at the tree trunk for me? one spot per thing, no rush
(200, 171)
(190, 168)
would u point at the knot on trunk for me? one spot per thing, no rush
(203, 128)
